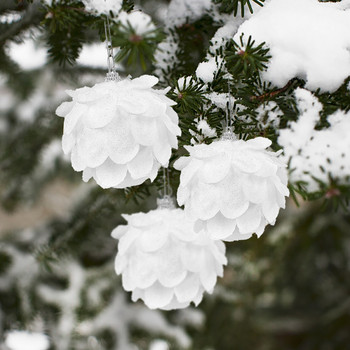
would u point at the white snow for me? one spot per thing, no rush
(183, 82)
(181, 10)
(51, 152)
(31, 55)
(269, 114)
(165, 55)
(103, 6)
(94, 55)
(207, 131)
(67, 300)
(10, 17)
(118, 315)
(159, 344)
(307, 39)
(316, 153)
(206, 70)
(24, 340)
(28, 54)
(220, 99)
(140, 21)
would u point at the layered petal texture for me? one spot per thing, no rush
(164, 262)
(119, 132)
(232, 188)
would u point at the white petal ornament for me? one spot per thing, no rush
(164, 262)
(232, 188)
(119, 132)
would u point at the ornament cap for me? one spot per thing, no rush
(112, 76)
(166, 202)
(228, 134)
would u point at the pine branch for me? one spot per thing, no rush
(272, 94)
(12, 5)
(33, 15)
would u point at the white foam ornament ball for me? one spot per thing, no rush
(164, 262)
(119, 132)
(232, 188)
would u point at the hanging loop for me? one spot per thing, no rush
(112, 74)
(166, 201)
(228, 133)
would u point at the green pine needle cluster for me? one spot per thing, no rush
(135, 49)
(231, 6)
(246, 58)
(66, 22)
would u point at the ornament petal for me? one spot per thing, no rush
(110, 174)
(121, 145)
(255, 189)
(92, 147)
(157, 296)
(78, 163)
(152, 240)
(88, 173)
(281, 188)
(208, 274)
(171, 126)
(238, 236)
(162, 153)
(219, 227)
(171, 273)
(119, 231)
(259, 142)
(87, 94)
(215, 169)
(188, 289)
(205, 201)
(144, 131)
(120, 263)
(71, 119)
(189, 171)
(182, 162)
(233, 203)
(100, 114)
(267, 169)
(250, 220)
(64, 108)
(143, 269)
(145, 81)
(260, 230)
(270, 208)
(142, 164)
(182, 195)
(68, 142)
(190, 258)
(126, 241)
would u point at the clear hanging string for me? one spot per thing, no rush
(112, 74)
(228, 133)
(166, 201)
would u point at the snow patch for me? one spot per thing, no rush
(316, 153)
(139, 21)
(23, 340)
(100, 7)
(181, 10)
(314, 48)
(206, 70)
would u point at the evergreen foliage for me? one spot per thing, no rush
(287, 290)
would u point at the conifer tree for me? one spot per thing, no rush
(274, 69)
